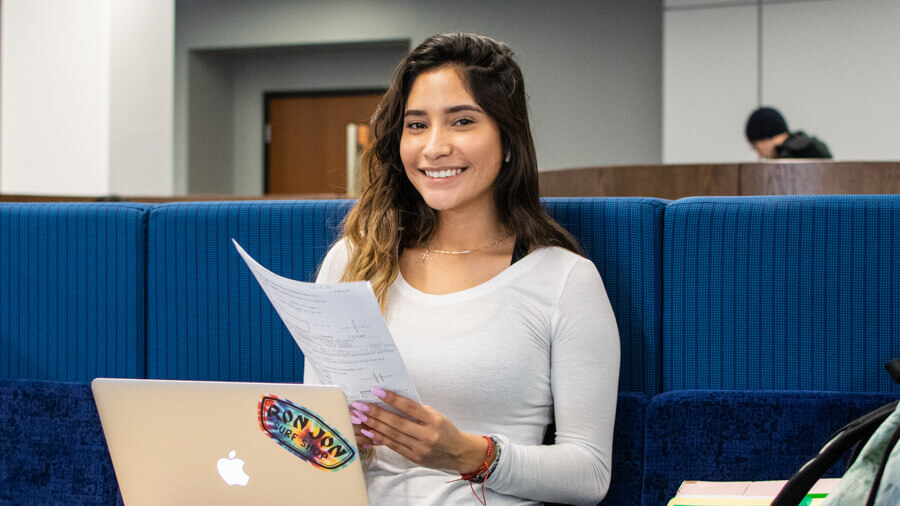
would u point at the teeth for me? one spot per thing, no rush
(442, 173)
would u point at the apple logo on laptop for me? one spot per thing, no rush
(232, 470)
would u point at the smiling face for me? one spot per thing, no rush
(450, 148)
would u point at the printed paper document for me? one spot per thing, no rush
(341, 331)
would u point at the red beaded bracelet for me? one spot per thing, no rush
(484, 465)
(485, 469)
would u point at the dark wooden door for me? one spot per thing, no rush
(307, 148)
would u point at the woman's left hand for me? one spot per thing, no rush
(430, 440)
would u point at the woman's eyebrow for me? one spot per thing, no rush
(464, 107)
(449, 110)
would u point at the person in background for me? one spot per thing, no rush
(768, 133)
(504, 327)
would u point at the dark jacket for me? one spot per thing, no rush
(800, 145)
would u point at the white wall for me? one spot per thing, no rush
(830, 66)
(836, 69)
(141, 94)
(592, 69)
(708, 88)
(86, 97)
(87, 88)
(54, 97)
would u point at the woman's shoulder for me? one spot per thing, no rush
(335, 262)
(555, 269)
(562, 260)
(567, 271)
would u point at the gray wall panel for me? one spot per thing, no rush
(829, 65)
(834, 71)
(709, 85)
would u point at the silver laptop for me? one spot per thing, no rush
(199, 442)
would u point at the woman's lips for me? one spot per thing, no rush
(442, 173)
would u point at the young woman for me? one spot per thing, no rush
(503, 326)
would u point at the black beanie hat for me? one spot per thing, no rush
(764, 123)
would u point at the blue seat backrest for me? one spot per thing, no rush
(207, 318)
(792, 292)
(72, 290)
(53, 450)
(623, 237)
(742, 435)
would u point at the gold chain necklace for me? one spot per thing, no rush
(427, 251)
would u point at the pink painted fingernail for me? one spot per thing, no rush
(354, 420)
(359, 416)
(360, 406)
(369, 434)
(381, 394)
(367, 446)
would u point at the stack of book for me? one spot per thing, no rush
(744, 493)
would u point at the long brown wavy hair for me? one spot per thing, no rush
(391, 214)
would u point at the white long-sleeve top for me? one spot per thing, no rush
(535, 343)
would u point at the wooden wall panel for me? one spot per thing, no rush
(662, 181)
(819, 178)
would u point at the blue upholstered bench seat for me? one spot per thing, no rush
(72, 290)
(628, 451)
(623, 237)
(208, 319)
(748, 294)
(781, 293)
(719, 435)
(53, 450)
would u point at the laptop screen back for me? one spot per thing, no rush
(197, 442)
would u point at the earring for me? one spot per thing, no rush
(507, 157)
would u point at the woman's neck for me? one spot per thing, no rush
(466, 231)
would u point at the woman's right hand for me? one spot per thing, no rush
(361, 440)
